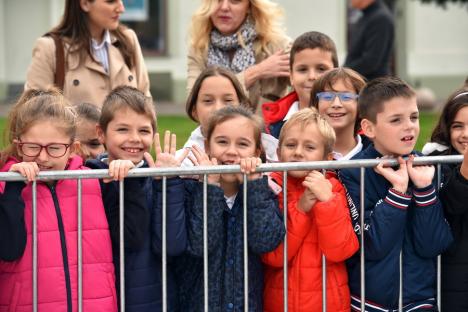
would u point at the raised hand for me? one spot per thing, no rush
(200, 158)
(29, 170)
(166, 156)
(398, 178)
(421, 176)
(248, 166)
(118, 169)
(464, 165)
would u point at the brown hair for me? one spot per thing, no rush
(308, 116)
(349, 77)
(313, 40)
(378, 91)
(212, 71)
(456, 101)
(88, 112)
(126, 97)
(231, 112)
(74, 26)
(35, 106)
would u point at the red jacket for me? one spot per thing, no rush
(325, 229)
(274, 112)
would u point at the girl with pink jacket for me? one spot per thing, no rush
(42, 131)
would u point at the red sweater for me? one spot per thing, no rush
(326, 229)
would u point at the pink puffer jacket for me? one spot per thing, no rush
(57, 251)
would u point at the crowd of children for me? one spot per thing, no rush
(331, 114)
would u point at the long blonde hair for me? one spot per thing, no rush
(266, 15)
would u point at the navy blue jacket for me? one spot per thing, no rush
(225, 247)
(143, 237)
(412, 222)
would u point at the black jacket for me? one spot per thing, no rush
(371, 43)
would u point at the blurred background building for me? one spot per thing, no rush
(431, 49)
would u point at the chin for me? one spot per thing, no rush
(298, 174)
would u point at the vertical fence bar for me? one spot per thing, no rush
(285, 244)
(80, 246)
(324, 283)
(400, 297)
(363, 254)
(439, 257)
(34, 244)
(164, 244)
(205, 242)
(122, 246)
(246, 250)
(324, 274)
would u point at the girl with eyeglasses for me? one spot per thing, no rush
(42, 137)
(335, 95)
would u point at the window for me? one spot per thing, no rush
(148, 19)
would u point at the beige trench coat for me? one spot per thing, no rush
(87, 82)
(265, 90)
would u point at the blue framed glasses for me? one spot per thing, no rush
(329, 96)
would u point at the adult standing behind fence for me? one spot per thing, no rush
(98, 55)
(371, 43)
(246, 37)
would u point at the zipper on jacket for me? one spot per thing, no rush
(63, 243)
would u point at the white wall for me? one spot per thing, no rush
(437, 40)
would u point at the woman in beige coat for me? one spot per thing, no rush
(99, 53)
(244, 36)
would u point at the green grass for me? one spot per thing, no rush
(182, 126)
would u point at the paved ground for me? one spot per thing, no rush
(163, 108)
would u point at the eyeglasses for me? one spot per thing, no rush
(330, 96)
(55, 150)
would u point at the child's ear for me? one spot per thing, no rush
(368, 127)
(101, 135)
(194, 114)
(329, 156)
(75, 148)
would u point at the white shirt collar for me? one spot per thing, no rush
(106, 39)
(293, 109)
(351, 153)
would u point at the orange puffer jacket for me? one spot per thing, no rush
(325, 229)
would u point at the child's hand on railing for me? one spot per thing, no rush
(421, 176)
(248, 166)
(29, 170)
(398, 178)
(318, 184)
(118, 169)
(200, 158)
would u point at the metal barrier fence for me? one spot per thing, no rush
(204, 171)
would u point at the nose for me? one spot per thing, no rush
(134, 136)
(218, 105)
(336, 101)
(224, 4)
(298, 151)
(313, 75)
(43, 156)
(232, 149)
(465, 131)
(121, 7)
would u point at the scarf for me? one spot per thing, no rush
(220, 46)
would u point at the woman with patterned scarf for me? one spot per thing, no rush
(246, 37)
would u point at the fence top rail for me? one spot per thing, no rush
(176, 171)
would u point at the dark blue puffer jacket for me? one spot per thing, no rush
(143, 238)
(413, 223)
(225, 247)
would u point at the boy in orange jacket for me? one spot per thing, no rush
(318, 222)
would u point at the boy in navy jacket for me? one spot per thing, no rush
(402, 210)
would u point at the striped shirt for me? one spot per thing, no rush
(100, 50)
